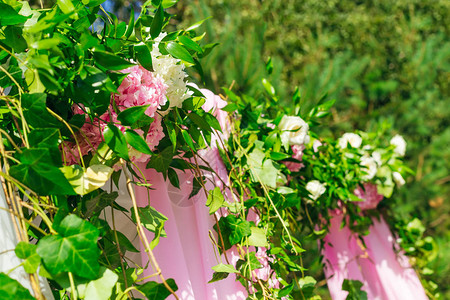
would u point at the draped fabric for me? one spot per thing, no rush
(187, 253)
(8, 259)
(385, 274)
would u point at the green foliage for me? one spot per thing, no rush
(74, 249)
(354, 290)
(381, 61)
(27, 252)
(11, 289)
(61, 67)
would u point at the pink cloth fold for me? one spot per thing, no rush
(384, 273)
(187, 253)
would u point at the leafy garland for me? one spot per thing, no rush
(69, 124)
(67, 129)
(296, 183)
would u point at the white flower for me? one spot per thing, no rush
(377, 157)
(370, 165)
(316, 145)
(398, 178)
(315, 188)
(352, 138)
(171, 70)
(400, 145)
(295, 130)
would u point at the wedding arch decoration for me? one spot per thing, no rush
(101, 123)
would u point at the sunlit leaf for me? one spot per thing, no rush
(74, 249)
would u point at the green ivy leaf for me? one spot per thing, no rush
(74, 249)
(173, 178)
(258, 237)
(168, 3)
(39, 175)
(66, 6)
(157, 23)
(262, 169)
(27, 252)
(111, 61)
(224, 268)
(98, 203)
(218, 276)
(153, 221)
(178, 51)
(14, 38)
(101, 288)
(8, 16)
(157, 291)
(137, 142)
(12, 289)
(238, 229)
(43, 137)
(144, 56)
(131, 115)
(278, 155)
(197, 24)
(215, 200)
(35, 111)
(161, 161)
(190, 44)
(354, 290)
(92, 3)
(86, 181)
(116, 141)
(188, 139)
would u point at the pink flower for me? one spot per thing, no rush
(89, 137)
(370, 196)
(265, 273)
(316, 145)
(298, 154)
(141, 87)
(154, 136)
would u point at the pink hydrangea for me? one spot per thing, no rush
(89, 137)
(141, 87)
(298, 154)
(154, 136)
(370, 196)
(265, 273)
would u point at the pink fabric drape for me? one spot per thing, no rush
(385, 274)
(187, 253)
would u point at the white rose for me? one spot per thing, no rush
(295, 130)
(400, 145)
(352, 138)
(377, 157)
(370, 165)
(398, 178)
(315, 188)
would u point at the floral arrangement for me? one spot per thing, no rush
(84, 99)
